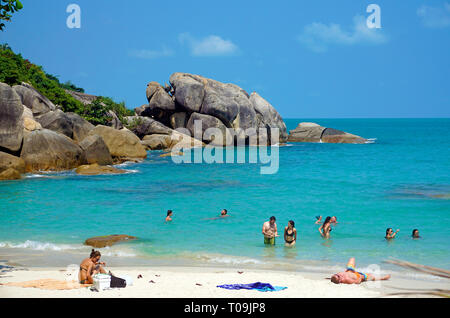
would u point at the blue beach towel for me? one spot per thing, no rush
(262, 287)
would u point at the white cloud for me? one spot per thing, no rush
(435, 17)
(151, 54)
(318, 36)
(212, 45)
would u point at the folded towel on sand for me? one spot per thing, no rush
(48, 284)
(262, 287)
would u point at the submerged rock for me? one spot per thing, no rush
(108, 240)
(96, 169)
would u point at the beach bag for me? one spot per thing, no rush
(117, 282)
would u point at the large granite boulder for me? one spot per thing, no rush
(335, 136)
(48, 150)
(8, 161)
(10, 174)
(11, 122)
(30, 125)
(143, 126)
(179, 120)
(207, 122)
(306, 132)
(80, 126)
(96, 169)
(96, 150)
(30, 97)
(161, 100)
(57, 121)
(152, 87)
(312, 132)
(121, 143)
(86, 99)
(114, 121)
(108, 240)
(268, 117)
(189, 90)
(140, 110)
(156, 141)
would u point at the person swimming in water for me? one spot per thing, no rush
(91, 266)
(415, 234)
(224, 213)
(390, 234)
(290, 234)
(169, 215)
(269, 231)
(351, 276)
(325, 228)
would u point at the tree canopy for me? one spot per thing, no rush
(7, 8)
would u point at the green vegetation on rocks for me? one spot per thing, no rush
(14, 70)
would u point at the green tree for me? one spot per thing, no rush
(7, 8)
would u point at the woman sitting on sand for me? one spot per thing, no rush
(325, 228)
(390, 234)
(91, 266)
(290, 234)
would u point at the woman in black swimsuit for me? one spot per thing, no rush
(290, 234)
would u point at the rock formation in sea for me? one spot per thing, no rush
(215, 104)
(312, 132)
(37, 135)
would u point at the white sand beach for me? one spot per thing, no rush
(194, 282)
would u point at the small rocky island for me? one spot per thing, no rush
(36, 135)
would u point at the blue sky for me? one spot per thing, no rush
(309, 59)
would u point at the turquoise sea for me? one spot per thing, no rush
(400, 180)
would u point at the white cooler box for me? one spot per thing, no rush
(101, 281)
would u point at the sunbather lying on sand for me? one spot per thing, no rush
(91, 266)
(351, 276)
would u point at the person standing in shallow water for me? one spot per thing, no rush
(290, 234)
(169, 215)
(390, 234)
(325, 228)
(269, 231)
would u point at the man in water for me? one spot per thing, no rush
(224, 213)
(269, 231)
(351, 276)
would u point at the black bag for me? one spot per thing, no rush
(117, 282)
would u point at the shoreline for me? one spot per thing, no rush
(196, 282)
(179, 281)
